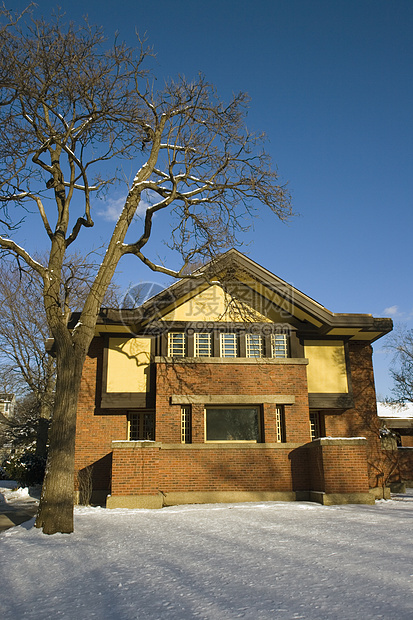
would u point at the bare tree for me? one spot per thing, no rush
(24, 330)
(401, 344)
(71, 104)
(23, 333)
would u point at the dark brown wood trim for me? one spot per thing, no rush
(330, 401)
(127, 400)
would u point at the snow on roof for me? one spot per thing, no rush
(385, 410)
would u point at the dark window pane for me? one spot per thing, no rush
(232, 424)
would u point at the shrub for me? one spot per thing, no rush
(25, 467)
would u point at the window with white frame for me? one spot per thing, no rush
(202, 344)
(228, 345)
(186, 424)
(316, 425)
(141, 425)
(232, 424)
(176, 344)
(280, 424)
(253, 345)
(279, 345)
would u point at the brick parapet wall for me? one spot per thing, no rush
(234, 468)
(338, 465)
(135, 468)
(335, 467)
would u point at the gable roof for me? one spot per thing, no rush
(232, 269)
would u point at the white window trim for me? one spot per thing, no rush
(231, 337)
(199, 351)
(186, 424)
(277, 350)
(250, 345)
(280, 424)
(174, 345)
(315, 425)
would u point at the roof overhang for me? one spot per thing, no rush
(234, 268)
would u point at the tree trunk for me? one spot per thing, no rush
(41, 437)
(56, 503)
(43, 423)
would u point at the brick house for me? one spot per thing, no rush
(230, 386)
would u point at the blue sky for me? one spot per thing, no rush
(331, 84)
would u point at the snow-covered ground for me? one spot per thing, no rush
(11, 494)
(260, 561)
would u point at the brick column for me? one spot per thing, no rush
(339, 471)
(135, 474)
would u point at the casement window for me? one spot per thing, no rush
(228, 345)
(316, 425)
(141, 426)
(202, 344)
(280, 424)
(176, 344)
(279, 345)
(240, 424)
(186, 424)
(253, 344)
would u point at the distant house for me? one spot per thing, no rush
(396, 422)
(399, 420)
(231, 385)
(7, 404)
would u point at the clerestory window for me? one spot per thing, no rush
(228, 345)
(254, 345)
(202, 344)
(176, 344)
(279, 345)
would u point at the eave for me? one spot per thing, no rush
(315, 320)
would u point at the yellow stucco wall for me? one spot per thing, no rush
(326, 370)
(211, 304)
(128, 364)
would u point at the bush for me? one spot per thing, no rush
(3, 474)
(25, 467)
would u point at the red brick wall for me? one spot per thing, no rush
(345, 469)
(236, 467)
(362, 420)
(227, 379)
(338, 468)
(396, 465)
(96, 428)
(135, 470)
(405, 463)
(147, 471)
